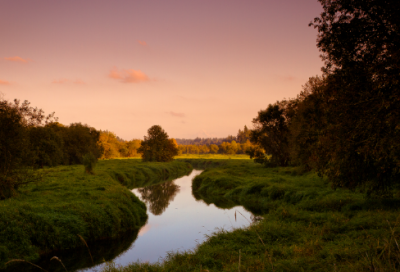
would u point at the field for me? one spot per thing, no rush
(213, 156)
(69, 203)
(305, 225)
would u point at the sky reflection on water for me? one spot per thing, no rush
(177, 221)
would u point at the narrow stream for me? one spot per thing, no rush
(177, 221)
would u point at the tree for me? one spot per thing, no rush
(271, 133)
(360, 43)
(157, 147)
(308, 125)
(17, 157)
(46, 145)
(214, 149)
(80, 140)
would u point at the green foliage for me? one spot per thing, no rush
(47, 146)
(17, 157)
(89, 161)
(157, 147)
(360, 45)
(271, 133)
(114, 147)
(307, 126)
(79, 140)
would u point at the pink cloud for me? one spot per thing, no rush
(128, 75)
(144, 229)
(288, 78)
(176, 114)
(3, 82)
(142, 43)
(17, 59)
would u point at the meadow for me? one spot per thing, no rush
(305, 225)
(69, 207)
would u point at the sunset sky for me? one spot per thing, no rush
(197, 68)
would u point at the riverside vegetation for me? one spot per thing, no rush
(306, 225)
(69, 205)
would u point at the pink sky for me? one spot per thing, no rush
(197, 68)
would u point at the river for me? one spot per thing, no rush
(176, 222)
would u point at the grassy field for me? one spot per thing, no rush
(213, 156)
(50, 215)
(305, 226)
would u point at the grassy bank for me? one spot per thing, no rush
(306, 225)
(50, 215)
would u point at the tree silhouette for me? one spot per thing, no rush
(157, 147)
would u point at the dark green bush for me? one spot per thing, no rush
(89, 161)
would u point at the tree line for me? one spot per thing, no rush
(241, 138)
(224, 148)
(29, 139)
(344, 124)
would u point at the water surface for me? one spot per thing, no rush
(177, 221)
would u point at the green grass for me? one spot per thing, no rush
(213, 156)
(305, 226)
(50, 215)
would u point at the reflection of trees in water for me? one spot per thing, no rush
(79, 258)
(157, 197)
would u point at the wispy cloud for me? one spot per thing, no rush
(17, 59)
(4, 82)
(142, 43)
(128, 75)
(68, 81)
(287, 78)
(176, 114)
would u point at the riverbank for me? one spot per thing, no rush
(50, 215)
(306, 226)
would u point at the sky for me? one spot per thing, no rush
(196, 68)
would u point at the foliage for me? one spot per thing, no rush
(114, 147)
(157, 147)
(16, 155)
(47, 146)
(79, 140)
(308, 125)
(360, 45)
(89, 161)
(271, 132)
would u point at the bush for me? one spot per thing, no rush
(89, 161)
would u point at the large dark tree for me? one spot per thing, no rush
(271, 133)
(17, 157)
(157, 147)
(308, 125)
(360, 43)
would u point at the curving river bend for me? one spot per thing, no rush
(176, 222)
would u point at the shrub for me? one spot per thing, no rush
(89, 161)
